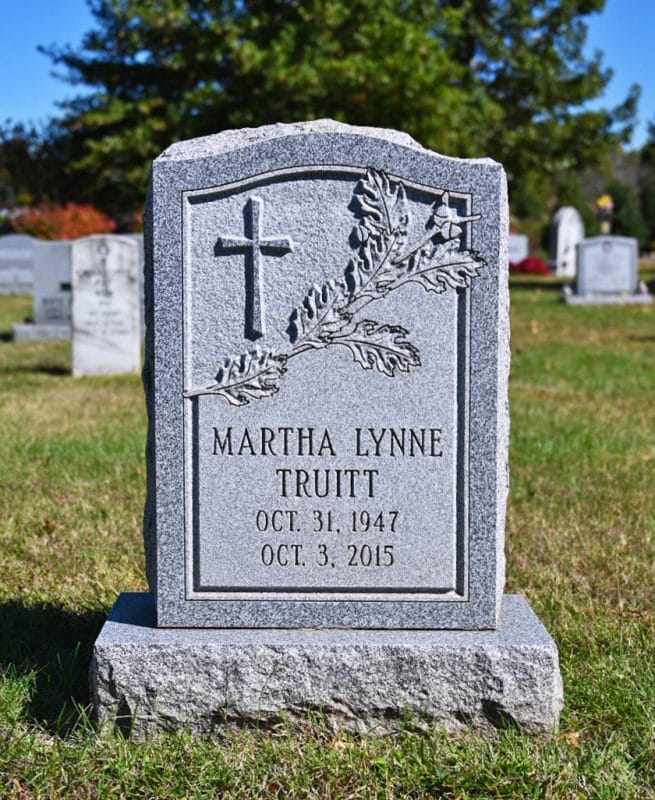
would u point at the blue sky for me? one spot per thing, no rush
(28, 92)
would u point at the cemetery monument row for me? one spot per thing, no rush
(327, 353)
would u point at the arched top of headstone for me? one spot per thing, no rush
(230, 140)
(566, 214)
(18, 238)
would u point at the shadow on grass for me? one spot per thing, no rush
(57, 370)
(57, 644)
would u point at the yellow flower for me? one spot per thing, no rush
(605, 202)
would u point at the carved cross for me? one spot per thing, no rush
(102, 251)
(253, 246)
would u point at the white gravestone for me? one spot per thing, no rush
(17, 263)
(105, 312)
(52, 294)
(327, 354)
(138, 238)
(518, 247)
(607, 272)
(566, 232)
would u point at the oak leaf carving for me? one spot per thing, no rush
(250, 376)
(440, 267)
(317, 317)
(383, 347)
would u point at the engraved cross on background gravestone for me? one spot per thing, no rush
(103, 251)
(253, 246)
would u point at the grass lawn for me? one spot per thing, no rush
(580, 546)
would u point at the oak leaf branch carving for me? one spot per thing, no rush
(384, 261)
(251, 376)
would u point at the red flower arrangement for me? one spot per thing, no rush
(532, 265)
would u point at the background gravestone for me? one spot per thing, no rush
(16, 263)
(52, 294)
(138, 238)
(327, 354)
(518, 247)
(105, 305)
(607, 272)
(566, 232)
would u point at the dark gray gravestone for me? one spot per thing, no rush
(607, 272)
(327, 354)
(16, 263)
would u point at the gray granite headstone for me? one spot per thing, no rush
(518, 247)
(106, 335)
(52, 294)
(335, 405)
(327, 353)
(16, 263)
(566, 232)
(607, 272)
(52, 284)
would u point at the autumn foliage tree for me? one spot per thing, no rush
(68, 221)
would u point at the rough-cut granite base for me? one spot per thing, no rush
(32, 332)
(149, 679)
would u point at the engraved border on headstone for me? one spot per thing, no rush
(255, 376)
(214, 163)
